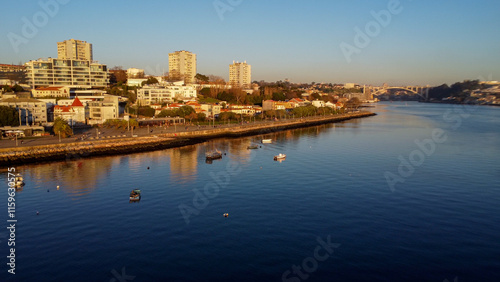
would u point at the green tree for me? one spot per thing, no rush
(7, 88)
(205, 91)
(185, 111)
(201, 117)
(270, 113)
(202, 78)
(17, 88)
(353, 103)
(278, 96)
(226, 96)
(315, 96)
(227, 115)
(8, 116)
(146, 111)
(168, 113)
(304, 111)
(62, 127)
(151, 80)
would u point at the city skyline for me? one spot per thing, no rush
(394, 42)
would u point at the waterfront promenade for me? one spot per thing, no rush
(112, 141)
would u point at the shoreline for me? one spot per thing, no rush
(86, 149)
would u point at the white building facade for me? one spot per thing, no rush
(149, 95)
(59, 72)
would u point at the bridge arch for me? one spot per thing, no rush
(422, 94)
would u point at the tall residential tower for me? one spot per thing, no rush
(74, 50)
(240, 74)
(182, 65)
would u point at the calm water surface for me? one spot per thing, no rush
(441, 220)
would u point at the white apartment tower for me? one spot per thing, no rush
(182, 65)
(240, 74)
(74, 50)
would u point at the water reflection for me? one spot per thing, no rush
(78, 178)
(81, 177)
(183, 162)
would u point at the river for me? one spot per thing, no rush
(411, 194)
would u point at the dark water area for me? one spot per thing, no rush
(412, 194)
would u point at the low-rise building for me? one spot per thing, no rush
(195, 105)
(135, 81)
(268, 105)
(74, 114)
(165, 94)
(32, 111)
(100, 111)
(211, 110)
(51, 92)
(318, 103)
(297, 102)
(242, 109)
(135, 73)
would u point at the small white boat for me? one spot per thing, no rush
(280, 157)
(19, 181)
(267, 140)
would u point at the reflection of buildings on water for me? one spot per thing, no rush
(138, 162)
(76, 177)
(183, 162)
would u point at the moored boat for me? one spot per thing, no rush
(267, 140)
(252, 147)
(19, 181)
(135, 195)
(279, 157)
(213, 155)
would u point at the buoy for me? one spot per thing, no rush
(48, 190)
(37, 212)
(57, 187)
(148, 167)
(226, 215)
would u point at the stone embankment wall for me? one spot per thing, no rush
(84, 149)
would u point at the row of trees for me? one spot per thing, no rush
(186, 112)
(8, 116)
(120, 123)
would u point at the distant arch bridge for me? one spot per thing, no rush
(422, 91)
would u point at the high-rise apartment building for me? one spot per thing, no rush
(74, 50)
(240, 74)
(182, 65)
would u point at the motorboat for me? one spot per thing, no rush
(267, 140)
(279, 157)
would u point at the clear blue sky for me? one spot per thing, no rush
(427, 42)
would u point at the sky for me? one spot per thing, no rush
(405, 42)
